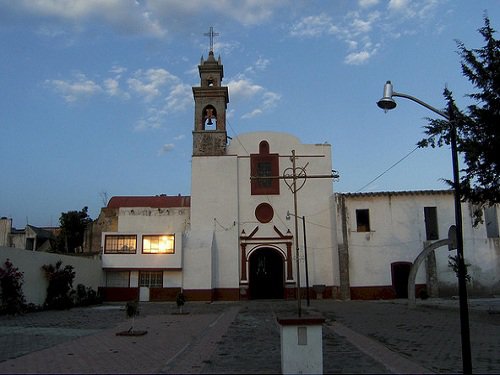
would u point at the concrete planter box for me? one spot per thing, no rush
(301, 345)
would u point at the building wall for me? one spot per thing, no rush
(146, 220)
(397, 234)
(313, 201)
(5, 229)
(87, 271)
(211, 255)
(106, 222)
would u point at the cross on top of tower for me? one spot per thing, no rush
(211, 35)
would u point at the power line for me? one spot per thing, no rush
(388, 169)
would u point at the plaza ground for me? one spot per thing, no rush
(243, 337)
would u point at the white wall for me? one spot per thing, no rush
(398, 234)
(140, 260)
(313, 200)
(87, 271)
(214, 209)
(146, 220)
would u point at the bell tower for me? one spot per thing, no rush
(209, 135)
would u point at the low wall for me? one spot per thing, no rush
(87, 271)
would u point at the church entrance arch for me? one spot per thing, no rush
(267, 277)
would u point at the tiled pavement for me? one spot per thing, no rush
(243, 337)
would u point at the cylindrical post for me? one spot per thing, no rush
(462, 282)
(299, 305)
(305, 258)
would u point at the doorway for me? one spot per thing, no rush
(266, 274)
(400, 272)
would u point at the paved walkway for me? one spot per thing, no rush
(243, 337)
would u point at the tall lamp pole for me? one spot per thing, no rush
(288, 214)
(387, 103)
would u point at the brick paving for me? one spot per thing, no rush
(243, 337)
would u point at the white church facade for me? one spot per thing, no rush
(235, 236)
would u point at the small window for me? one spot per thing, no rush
(363, 220)
(151, 279)
(120, 244)
(431, 223)
(158, 244)
(491, 222)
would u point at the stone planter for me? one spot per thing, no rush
(301, 345)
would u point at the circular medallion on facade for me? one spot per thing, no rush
(264, 213)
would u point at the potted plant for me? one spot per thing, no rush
(132, 310)
(180, 300)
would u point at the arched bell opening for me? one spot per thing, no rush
(209, 118)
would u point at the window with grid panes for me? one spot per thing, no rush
(151, 279)
(158, 244)
(120, 244)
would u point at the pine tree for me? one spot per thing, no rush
(478, 127)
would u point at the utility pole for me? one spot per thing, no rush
(295, 174)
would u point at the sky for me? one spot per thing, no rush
(96, 99)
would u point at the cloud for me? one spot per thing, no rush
(256, 96)
(180, 97)
(118, 70)
(148, 84)
(364, 28)
(112, 88)
(405, 9)
(166, 148)
(314, 26)
(152, 18)
(243, 88)
(360, 25)
(368, 3)
(270, 99)
(260, 65)
(245, 12)
(163, 93)
(398, 5)
(125, 16)
(357, 58)
(256, 112)
(78, 88)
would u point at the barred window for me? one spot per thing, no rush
(151, 279)
(120, 244)
(118, 279)
(158, 244)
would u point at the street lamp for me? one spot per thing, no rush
(288, 214)
(387, 103)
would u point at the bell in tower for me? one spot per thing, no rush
(211, 98)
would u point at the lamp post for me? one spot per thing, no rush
(288, 214)
(387, 103)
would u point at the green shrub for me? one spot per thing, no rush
(59, 291)
(86, 296)
(11, 282)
